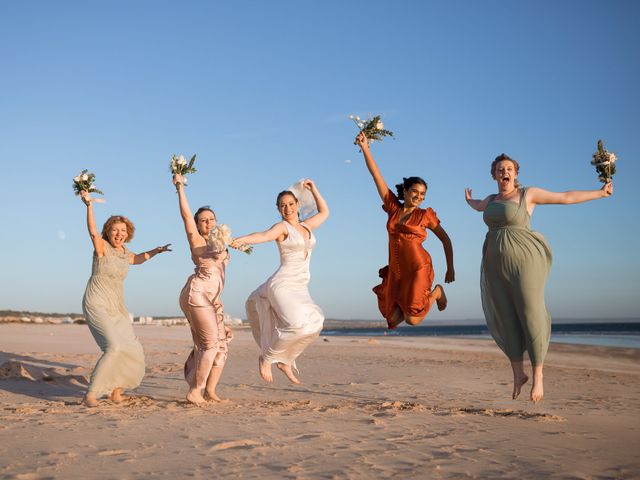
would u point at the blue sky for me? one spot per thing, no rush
(261, 92)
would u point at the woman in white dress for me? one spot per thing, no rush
(284, 319)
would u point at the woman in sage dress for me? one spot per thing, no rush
(515, 264)
(121, 365)
(406, 293)
(283, 316)
(200, 303)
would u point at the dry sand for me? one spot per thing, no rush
(367, 408)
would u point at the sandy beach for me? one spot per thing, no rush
(367, 408)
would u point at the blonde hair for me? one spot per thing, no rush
(112, 220)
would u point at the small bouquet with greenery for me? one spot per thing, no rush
(605, 163)
(179, 165)
(220, 238)
(83, 182)
(373, 128)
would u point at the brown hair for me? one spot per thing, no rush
(501, 158)
(407, 183)
(284, 193)
(112, 220)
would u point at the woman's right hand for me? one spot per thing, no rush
(607, 188)
(86, 198)
(361, 141)
(467, 194)
(178, 179)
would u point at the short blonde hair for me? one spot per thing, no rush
(112, 220)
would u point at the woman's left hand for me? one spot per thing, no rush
(309, 184)
(450, 276)
(163, 248)
(607, 188)
(229, 333)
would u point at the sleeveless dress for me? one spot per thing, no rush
(284, 319)
(201, 305)
(406, 281)
(122, 361)
(515, 264)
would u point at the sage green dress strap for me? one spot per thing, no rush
(122, 361)
(515, 264)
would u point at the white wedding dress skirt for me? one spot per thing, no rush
(284, 319)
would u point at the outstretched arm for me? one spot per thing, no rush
(440, 232)
(193, 236)
(323, 209)
(381, 185)
(539, 196)
(94, 234)
(277, 232)
(478, 205)
(137, 259)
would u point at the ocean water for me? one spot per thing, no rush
(619, 334)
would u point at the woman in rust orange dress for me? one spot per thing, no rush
(405, 294)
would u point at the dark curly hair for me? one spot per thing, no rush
(407, 183)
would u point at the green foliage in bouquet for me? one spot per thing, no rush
(179, 165)
(372, 128)
(605, 163)
(83, 182)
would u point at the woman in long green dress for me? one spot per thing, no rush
(515, 264)
(121, 365)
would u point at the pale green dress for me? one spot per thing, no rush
(122, 361)
(515, 264)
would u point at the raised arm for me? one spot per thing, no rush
(323, 209)
(381, 185)
(538, 196)
(193, 236)
(276, 232)
(137, 259)
(94, 234)
(440, 232)
(478, 205)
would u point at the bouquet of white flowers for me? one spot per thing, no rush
(220, 238)
(179, 165)
(83, 182)
(373, 128)
(605, 163)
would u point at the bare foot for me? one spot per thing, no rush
(518, 381)
(90, 400)
(213, 397)
(442, 300)
(396, 319)
(537, 389)
(116, 395)
(265, 370)
(288, 372)
(194, 396)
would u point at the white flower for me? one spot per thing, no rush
(85, 177)
(351, 117)
(612, 157)
(77, 179)
(379, 125)
(182, 160)
(357, 118)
